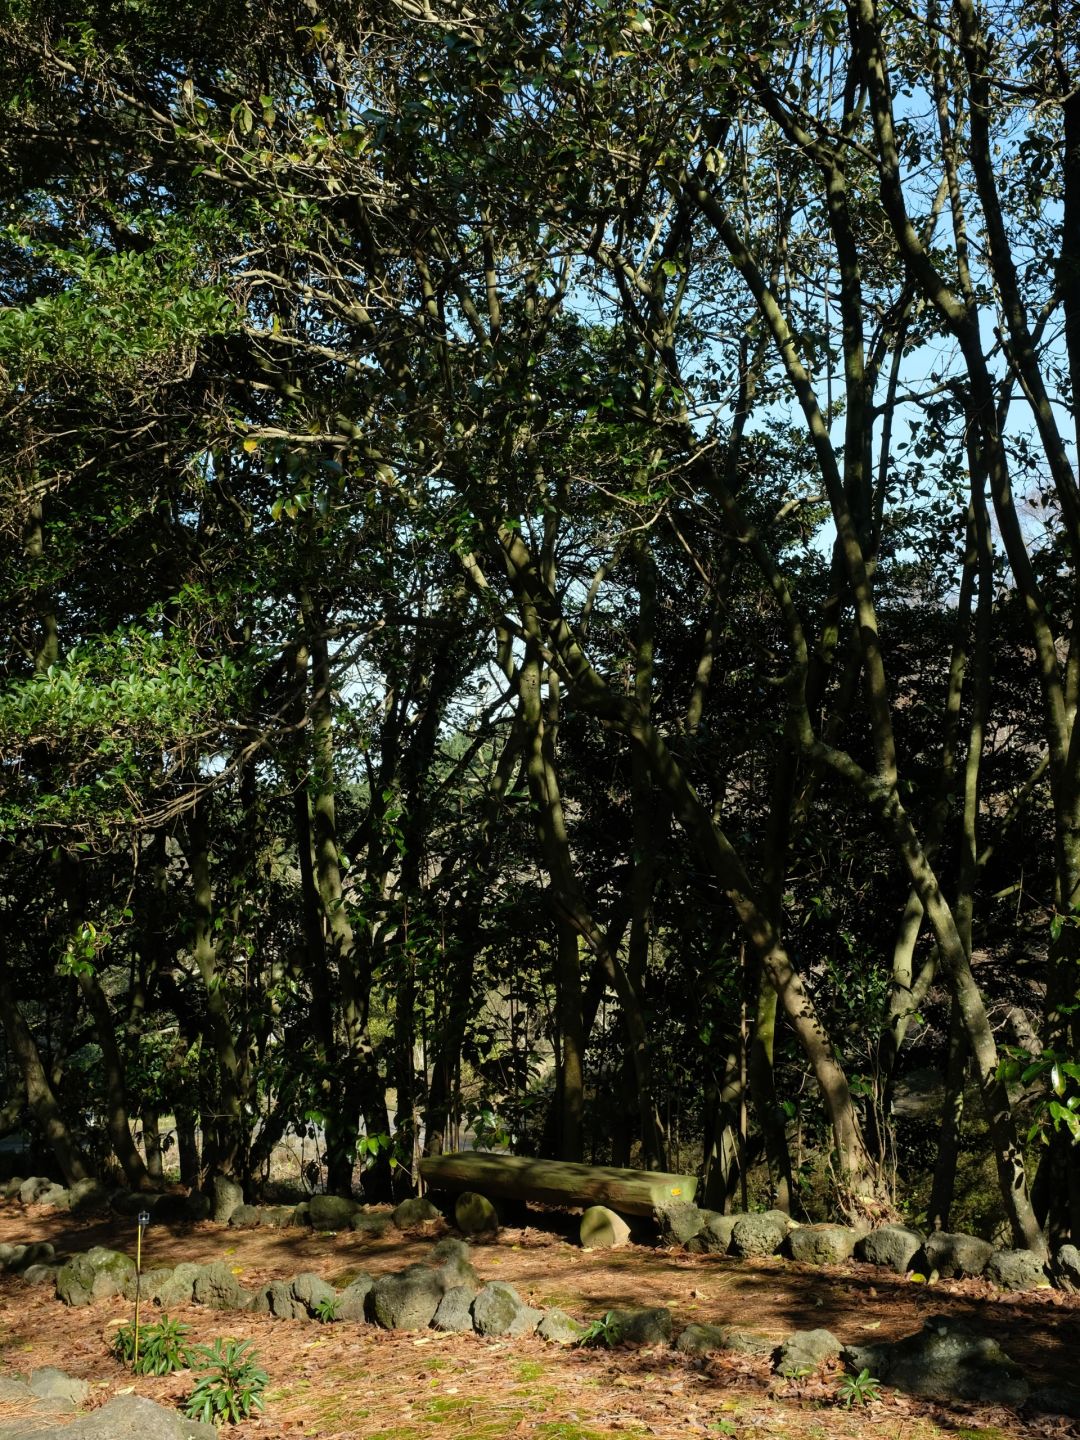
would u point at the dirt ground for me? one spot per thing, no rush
(342, 1380)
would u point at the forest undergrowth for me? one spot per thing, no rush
(344, 1380)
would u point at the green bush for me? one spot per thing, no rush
(230, 1382)
(603, 1332)
(858, 1389)
(161, 1347)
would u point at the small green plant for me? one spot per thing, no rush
(161, 1347)
(230, 1382)
(604, 1331)
(858, 1389)
(327, 1310)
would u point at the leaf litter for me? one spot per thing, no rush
(351, 1381)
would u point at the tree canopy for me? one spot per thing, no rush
(540, 591)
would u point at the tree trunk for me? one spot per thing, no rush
(767, 1108)
(724, 1147)
(11, 1111)
(187, 1146)
(570, 1078)
(151, 1135)
(948, 1149)
(224, 1138)
(361, 1088)
(556, 1182)
(451, 1024)
(859, 1181)
(39, 1094)
(119, 1127)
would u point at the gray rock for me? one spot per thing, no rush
(164, 1209)
(172, 1209)
(277, 1299)
(893, 1246)
(12, 1257)
(14, 1388)
(179, 1290)
(449, 1248)
(406, 1300)
(823, 1244)
(130, 1202)
(130, 1417)
(746, 1342)
(311, 1291)
(39, 1274)
(680, 1222)
(22, 1257)
(225, 1197)
(805, 1350)
(456, 1267)
(48, 1383)
(331, 1212)
(159, 1286)
(641, 1327)
(954, 1256)
(455, 1309)
(944, 1361)
(417, 1211)
(97, 1275)
(56, 1195)
(302, 1213)
(701, 1340)
(245, 1217)
(714, 1237)
(376, 1225)
(1066, 1268)
(352, 1301)
(199, 1206)
(499, 1310)
(29, 1190)
(9, 1189)
(708, 1339)
(28, 1428)
(1055, 1399)
(215, 1285)
(278, 1217)
(558, 1328)
(1016, 1270)
(762, 1234)
(89, 1194)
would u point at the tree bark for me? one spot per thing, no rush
(770, 1114)
(119, 1126)
(362, 1089)
(556, 1182)
(858, 1179)
(948, 1149)
(151, 1135)
(39, 1093)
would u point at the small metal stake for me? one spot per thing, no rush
(144, 1221)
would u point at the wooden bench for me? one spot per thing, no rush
(487, 1177)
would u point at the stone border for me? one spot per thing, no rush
(899, 1248)
(223, 1202)
(946, 1360)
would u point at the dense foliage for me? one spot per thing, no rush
(539, 588)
